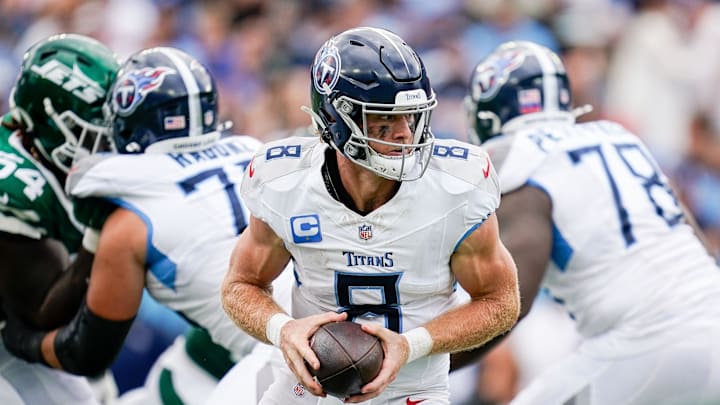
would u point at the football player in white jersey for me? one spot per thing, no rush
(58, 95)
(381, 222)
(175, 184)
(587, 214)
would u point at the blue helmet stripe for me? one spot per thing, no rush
(193, 91)
(549, 79)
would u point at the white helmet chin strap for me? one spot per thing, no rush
(316, 120)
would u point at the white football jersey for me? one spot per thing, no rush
(193, 212)
(624, 261)
(390, 266)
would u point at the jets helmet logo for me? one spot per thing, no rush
(326, 69)
(491, 75)
(73, 80)
(135, 85)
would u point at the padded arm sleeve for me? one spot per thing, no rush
(89, 344)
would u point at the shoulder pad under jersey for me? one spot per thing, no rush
(466, 162)
(279, 160)
(517, 156)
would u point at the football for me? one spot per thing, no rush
(349, 358)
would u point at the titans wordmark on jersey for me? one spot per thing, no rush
(390, 266)
(619, 236)
(32, 201)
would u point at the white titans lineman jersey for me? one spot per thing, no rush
(390, 266)
(190, 204)
(625, 264)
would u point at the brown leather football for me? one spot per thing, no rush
(349, 357)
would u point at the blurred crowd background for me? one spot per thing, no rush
(652, 65)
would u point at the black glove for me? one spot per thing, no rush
(22, 340)
(92, 211)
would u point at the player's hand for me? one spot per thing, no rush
(295, 345)
(396, 353)
(22, 340)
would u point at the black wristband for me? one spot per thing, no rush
(90, 343)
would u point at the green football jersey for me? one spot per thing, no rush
(32, 200)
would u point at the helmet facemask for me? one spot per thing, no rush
(411, 161)
(81, 137)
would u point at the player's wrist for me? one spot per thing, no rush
(91, 239)
(274, 326)
(419, 343)
(23, 341)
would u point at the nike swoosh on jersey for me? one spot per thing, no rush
(409, 401)
(486, 170)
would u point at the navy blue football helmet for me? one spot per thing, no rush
(365, 71)
(163, 100)
(520, 83)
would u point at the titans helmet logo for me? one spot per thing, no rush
(326, 69)
(135, 85)
(492, 74)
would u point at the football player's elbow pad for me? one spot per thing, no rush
(89, 344)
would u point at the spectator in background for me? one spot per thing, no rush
(500, 21)
(697, 178)
(657, 69)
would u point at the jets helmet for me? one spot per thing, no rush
(518, 84)
(59, 94)
(365, 71)
(163, 100)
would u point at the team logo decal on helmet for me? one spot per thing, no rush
(326, 69)
(132, 88)
(72, 80)
(491, 75)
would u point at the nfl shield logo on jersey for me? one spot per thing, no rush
(365, 231)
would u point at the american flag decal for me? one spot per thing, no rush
(530, 101)
(365, 232)
(174, 122)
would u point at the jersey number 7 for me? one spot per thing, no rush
(189, 185)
